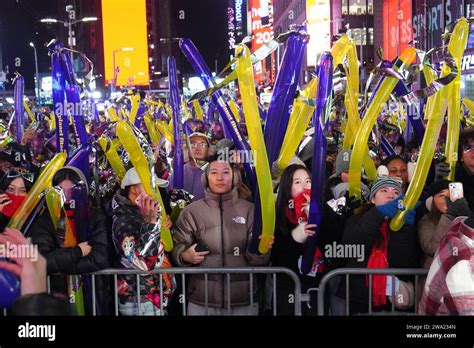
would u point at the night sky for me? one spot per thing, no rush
(205, 24)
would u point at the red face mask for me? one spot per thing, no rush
(13, 206)
(294, 211)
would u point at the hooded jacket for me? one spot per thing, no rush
(223, 222)
(138, 245)
(70, 260)
(403, 249)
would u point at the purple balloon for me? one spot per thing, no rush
(178, 160)
(74, 99)
(9, 288)
(81, 160)
(19, 108)
(387, 147)
(217, 131)
(194, 125)
(59, 98)
(318, 176)
(278, 113)
(283, 95)
(227, 118)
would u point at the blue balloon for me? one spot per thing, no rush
(9, 288)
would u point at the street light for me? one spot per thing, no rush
(36, 67)
(124, 49)
(71, 21)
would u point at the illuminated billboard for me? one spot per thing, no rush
(318, 16)
(397, 27)
(125, 42)
(261, 15)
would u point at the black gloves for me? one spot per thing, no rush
(460, 207)
(442, 169)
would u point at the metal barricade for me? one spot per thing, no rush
(347, 272)
(183, 271)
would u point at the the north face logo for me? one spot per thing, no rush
(239, 220)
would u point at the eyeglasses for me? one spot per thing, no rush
(467, 147)
(30, 177)
(199, 145)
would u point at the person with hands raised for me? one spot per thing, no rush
(382, 248)
(136, 231)
(291, 232)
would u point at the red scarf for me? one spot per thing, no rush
(12, 207)
(293, 210)
(378, 259)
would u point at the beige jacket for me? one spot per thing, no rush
(224, 223)
(431, 229)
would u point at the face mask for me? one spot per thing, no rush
(294, 210)
(12, 207)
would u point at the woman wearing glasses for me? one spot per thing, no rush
(198, 151)
(15, 185)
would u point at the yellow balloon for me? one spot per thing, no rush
(456, 46)
(28, 111)
(140, 163)
(112, 157)
(184, 106)
(339, 49)
(54, 205)
(470, 105)
(342, 48)
(437, 105)
(165, 131)
(150, 126)
(52, 123)
(235, 109)
(252, 119)
(113, 114)
(299, 119)
(33, 197)
(135, 105)
(197, 109)
(373, 110)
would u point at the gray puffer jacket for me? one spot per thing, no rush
(223, 222)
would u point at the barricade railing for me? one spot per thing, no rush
(370, 272)
(183, 271)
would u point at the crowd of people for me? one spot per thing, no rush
(123, 230)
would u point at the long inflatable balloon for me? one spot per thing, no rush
(283, 94)
(137, 157)
(228, 120)
(59, 99)
(112, 156)
(435, 111)
(456, 47)
(43, 182)
(299, 120)
(174, 99)
(197, 109)
(19, 108)
(164, 129)
(342, 48)
(249, 101)
(150, 126)
(235, 110)
(73, 98)
(318, 176)
(376, 104)
(135, 105)
(10, 289)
